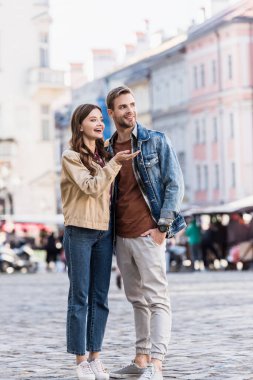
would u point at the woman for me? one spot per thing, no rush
(86, 183)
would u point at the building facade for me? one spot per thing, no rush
(28, 88)
(169, 106)
(198, 89)
(220, 61)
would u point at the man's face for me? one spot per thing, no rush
(124, 112)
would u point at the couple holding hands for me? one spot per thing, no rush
(123, 195)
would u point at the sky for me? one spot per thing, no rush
(80, 25)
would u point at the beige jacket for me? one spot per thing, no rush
(86, 199)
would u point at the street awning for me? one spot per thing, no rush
(56, 219)
(242, 205)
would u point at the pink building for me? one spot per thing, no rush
(220, 63)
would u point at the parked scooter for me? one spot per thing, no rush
(19, 259)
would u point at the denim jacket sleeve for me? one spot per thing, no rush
(172, 178)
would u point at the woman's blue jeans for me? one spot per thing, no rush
(89, 258)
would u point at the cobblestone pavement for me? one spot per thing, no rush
(212, 335)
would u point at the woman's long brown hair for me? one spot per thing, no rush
(76, 141)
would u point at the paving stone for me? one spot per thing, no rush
(212, 334)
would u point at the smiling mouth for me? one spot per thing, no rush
(98, 130)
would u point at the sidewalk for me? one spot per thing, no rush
(212, 335)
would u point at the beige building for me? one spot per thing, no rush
(28, 89)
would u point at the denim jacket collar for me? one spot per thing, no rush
(141, 133)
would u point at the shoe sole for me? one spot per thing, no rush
(86, 377)
(124, 376)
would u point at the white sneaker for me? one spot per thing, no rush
(99, 370)
(84, 371)
(151, 373)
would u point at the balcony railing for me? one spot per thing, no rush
(45, 77)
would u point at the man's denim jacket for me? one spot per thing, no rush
(158, 174)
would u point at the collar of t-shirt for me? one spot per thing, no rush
(134, 132)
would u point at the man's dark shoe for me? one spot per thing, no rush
(131, 370)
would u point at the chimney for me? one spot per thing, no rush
(129, 50)
(104, 61)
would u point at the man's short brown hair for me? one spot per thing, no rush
(114, 93)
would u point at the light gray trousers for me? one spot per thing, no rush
(143, 268)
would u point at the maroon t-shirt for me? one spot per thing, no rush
(133, 216)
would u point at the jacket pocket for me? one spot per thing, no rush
(151, 161)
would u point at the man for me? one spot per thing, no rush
(148, 194)
(193, 233)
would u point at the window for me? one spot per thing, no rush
(181, 159)
(231, 126)
(197, 132)
(203, 131)
(43, 38)
(45, 130)
(230, 67)
(202, 75)
(198, 175)
(45, 109)
(233, 174)
(195, 77)
(215, 130)
(216, 176)
(180, 89)
(44, 62)
(5, 149)
(205, 177)
(214, 72)
(45, 121)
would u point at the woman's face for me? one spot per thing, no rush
(93, 126)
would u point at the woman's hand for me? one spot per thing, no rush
(125, 155)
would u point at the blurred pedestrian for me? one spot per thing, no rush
(86, 179)
(51, 252)
(237, 230)
(175, 253)
(193, 232)
(208, 246)
(148, 198)
(61, 255)
(221, 237)
(250, 228)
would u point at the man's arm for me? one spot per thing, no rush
(172, 178)
(174, 189)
